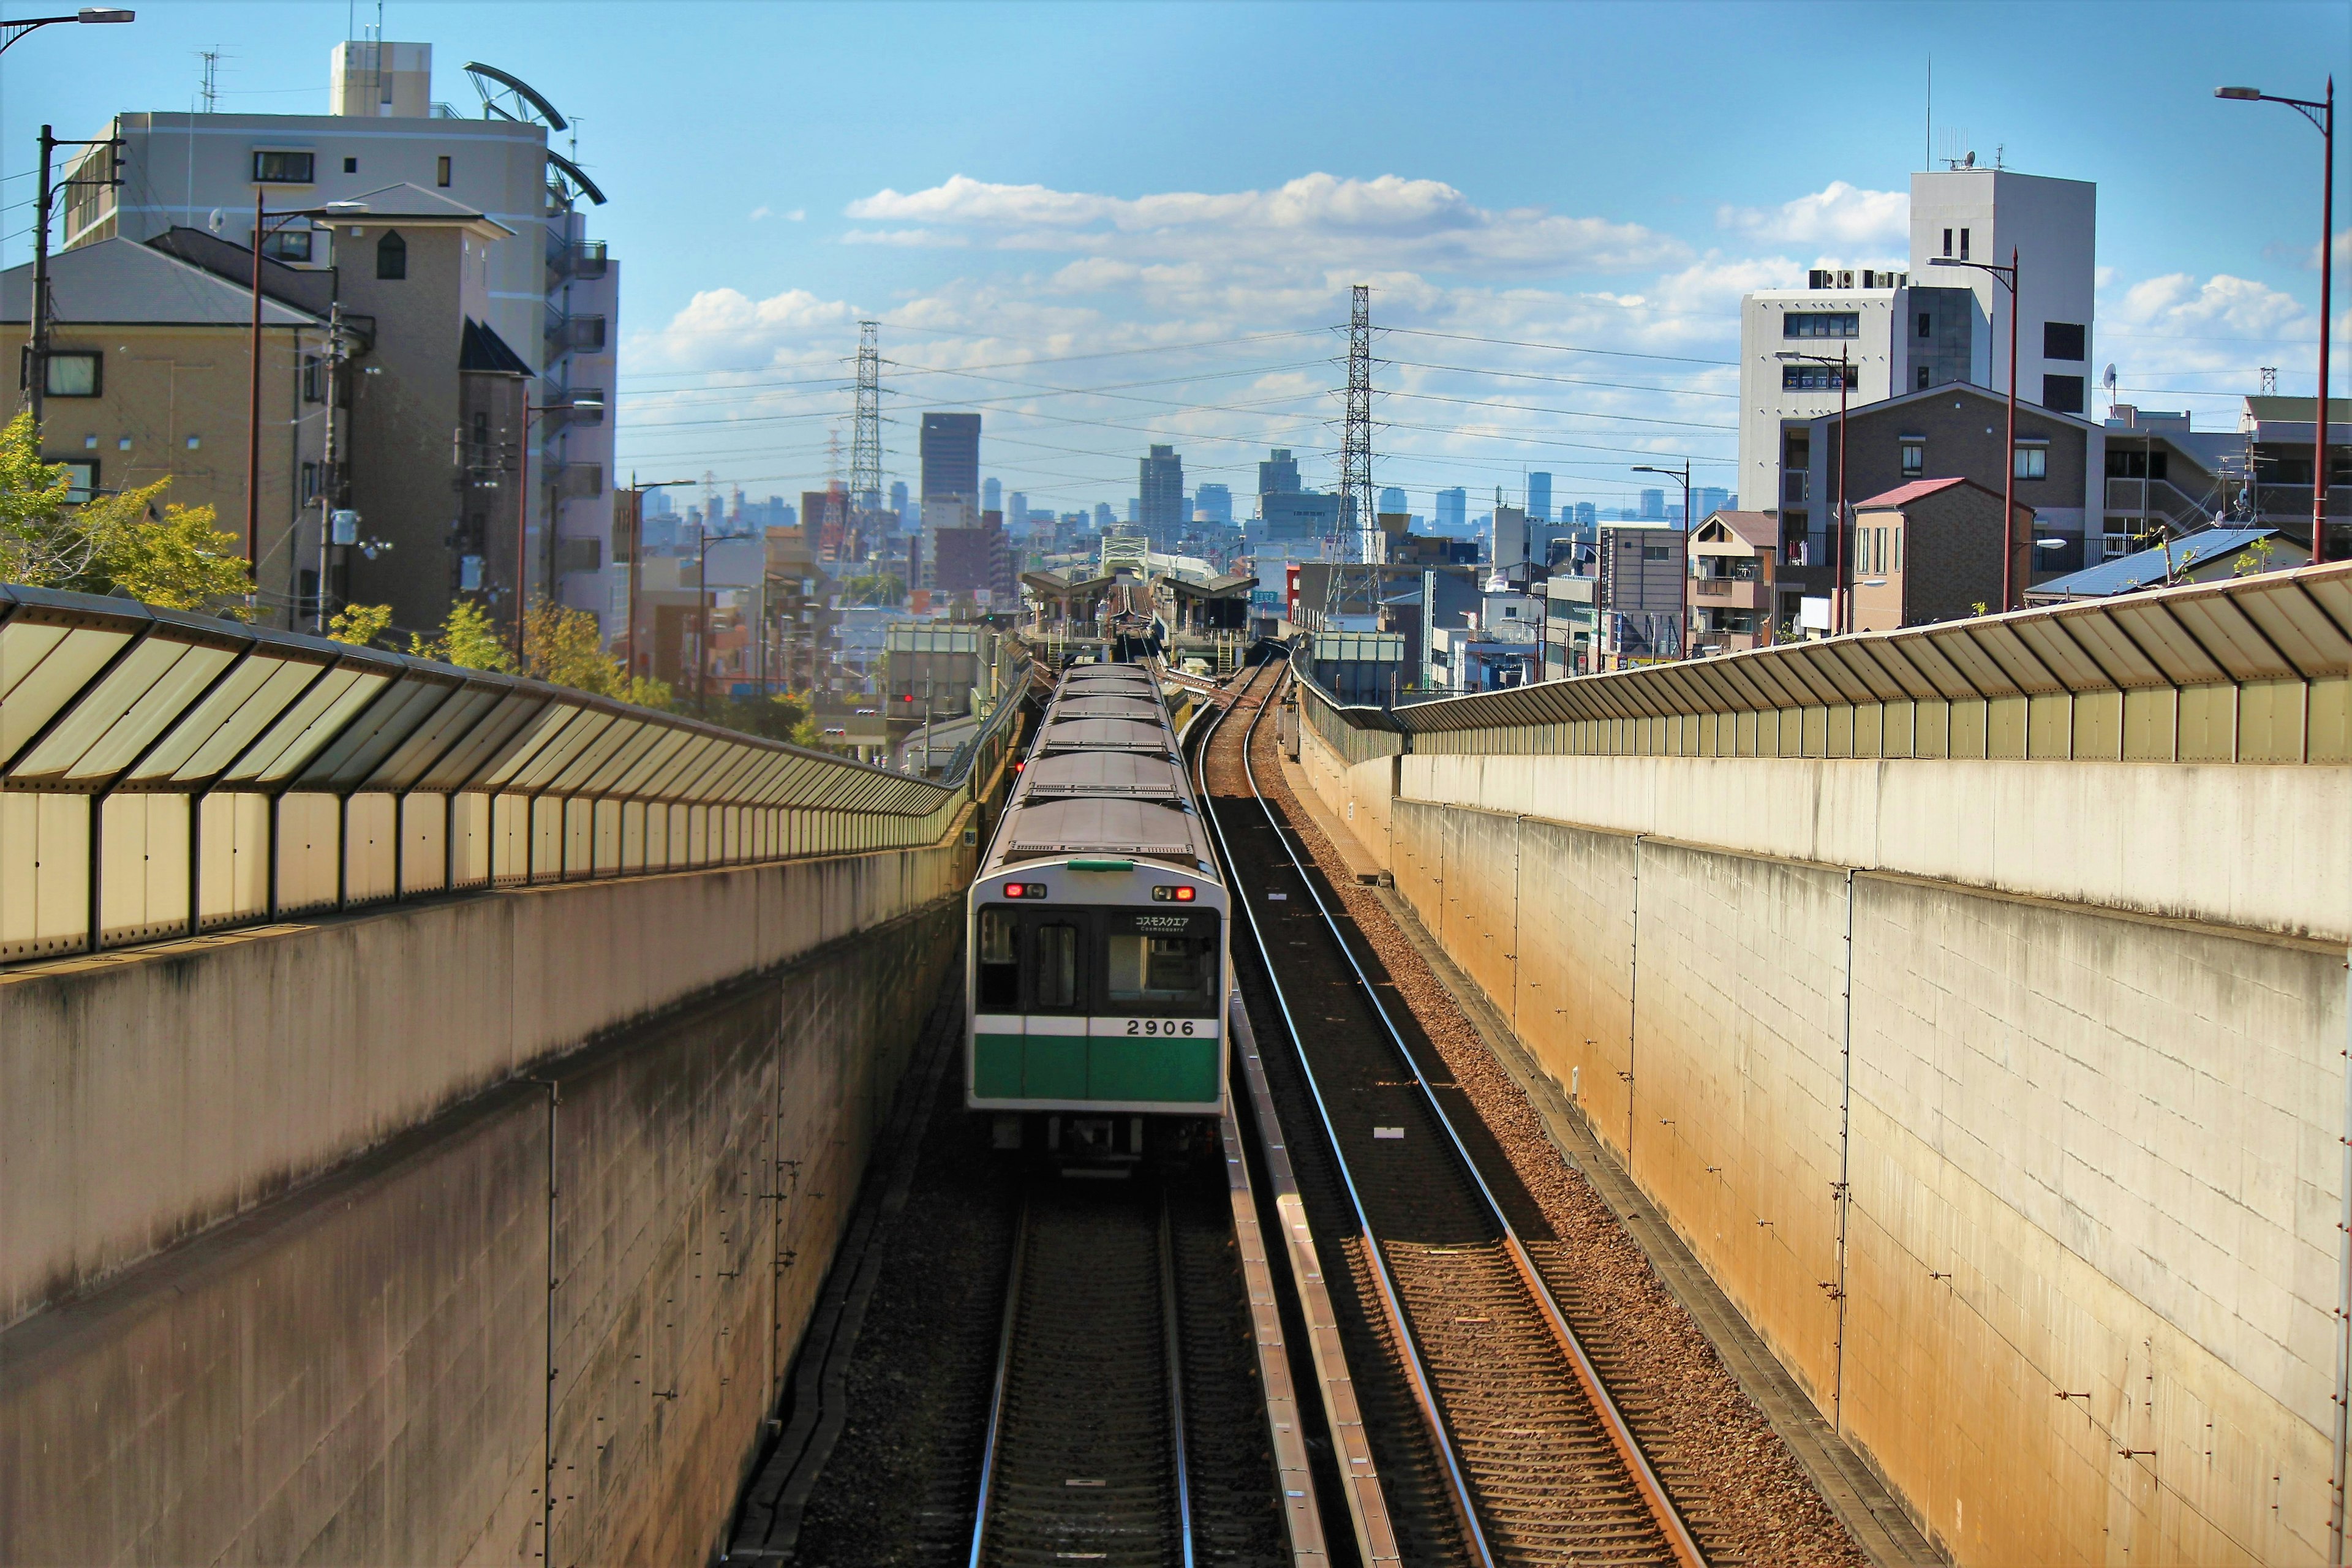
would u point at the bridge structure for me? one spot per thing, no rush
(429, 1100)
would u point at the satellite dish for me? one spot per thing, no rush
(1970, 161)
(213, 222)
(2109, 379)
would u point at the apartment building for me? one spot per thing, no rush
(418, 170)
(1943, 322)
(147, 379)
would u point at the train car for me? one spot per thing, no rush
(1097, 967)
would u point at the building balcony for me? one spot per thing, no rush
(1728, 594)
(575, 335)
(582, 259)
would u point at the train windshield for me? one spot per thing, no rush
(1000, 962)
(1096, 961)
(1161, 960)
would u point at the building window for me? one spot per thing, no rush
(72, 375)
(1915, 459)
(309, 481)
(441, 171)
(1821, 324)
(1922, 378)
(288, 244)
(1927, 325)
(312, 390)
(1898, 550)
(2031, 462)
(1964, 244)
(350, 165)
(392, 256)
(2061, 340)
(282, 168)
(1818, 377)
(2062, 394)
(81, 477)
(1948, 242)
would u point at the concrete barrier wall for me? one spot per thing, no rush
(586, 1281)
(148, 1094)
(2082, 1307)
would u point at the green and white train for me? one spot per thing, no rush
(1097, 968)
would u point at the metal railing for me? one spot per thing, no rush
(164, 774)
(2248, 670)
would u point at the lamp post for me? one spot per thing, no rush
(264, 225)
(1682, 474)
(2322, 115)
(531, 411)
(637, 552)
(12, 31)
(1837, 587)
(2007, 278)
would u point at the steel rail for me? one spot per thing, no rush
(996, 1391)
(1621, 1434)
(1391, 1304)
(1173, 1354)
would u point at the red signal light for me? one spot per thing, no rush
(1175, 895)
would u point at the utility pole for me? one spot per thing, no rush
(38, 370)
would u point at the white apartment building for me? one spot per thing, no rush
(1903, 331)
(551, 293)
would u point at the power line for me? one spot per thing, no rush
(1556, 348)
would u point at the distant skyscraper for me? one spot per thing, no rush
(1278, 475)
(1453, 510)
(1161, 477)
(1587, 514)
(1710, 500)
(1103, 518)
(1134, 508)
(1392, 499)
(951, 453)
(1016, 510)
(1653, 506)
(899, 498)
(1539, 495)
(1216, 500)
(991, 495)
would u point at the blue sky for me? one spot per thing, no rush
(1029, 196)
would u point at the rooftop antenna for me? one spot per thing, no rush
(211, 79)
(2270, 381)
(1931, 113)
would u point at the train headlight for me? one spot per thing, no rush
(1175, 895)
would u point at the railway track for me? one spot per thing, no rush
(1085, 1456)
(1521, 1454)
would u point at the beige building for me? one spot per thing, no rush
(1929, 551)
(149, 378)
(1735, 599)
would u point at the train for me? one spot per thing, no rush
(1097, 965)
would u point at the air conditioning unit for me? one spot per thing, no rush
(1845, 279)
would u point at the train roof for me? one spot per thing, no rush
(1106, 776)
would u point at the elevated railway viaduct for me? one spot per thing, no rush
(1971, 1002)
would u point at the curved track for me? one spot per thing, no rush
(1527, 1457)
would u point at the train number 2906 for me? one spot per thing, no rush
(1159, 1026)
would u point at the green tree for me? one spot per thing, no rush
(133, 543)
(468, 640)
(360, 624)
(566, 648)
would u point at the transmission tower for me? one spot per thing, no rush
(1361, 546)
(866, 444)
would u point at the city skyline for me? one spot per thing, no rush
(1040, 278)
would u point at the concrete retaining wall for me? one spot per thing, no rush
(149, 1094)
(593, 1275)
(2087, 1099)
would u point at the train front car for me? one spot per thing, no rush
(1097, 967)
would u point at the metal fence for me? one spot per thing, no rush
(163, 775)
(2249, 669)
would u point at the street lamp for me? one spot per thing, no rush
(1682, 474)
(264, 225)
(2322, 115)
(2007, 277)
(531, 411)
(12, 31)
(1837, 586)
(637, 552)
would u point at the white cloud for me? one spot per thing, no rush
(902, 237)
(1840, 214)
(798, 215)
(760, 212)
(1425, 223)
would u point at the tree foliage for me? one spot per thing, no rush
(468, 640)
(132, 543)
(360, 624)
(882, 589)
